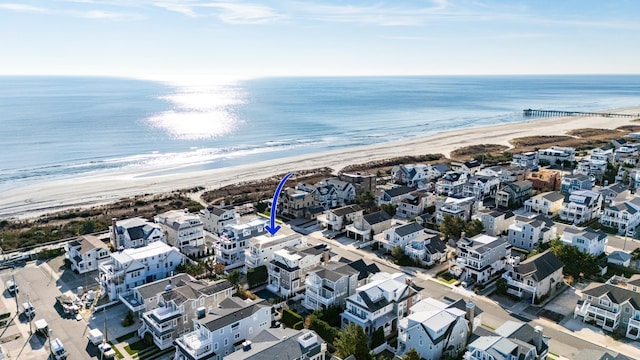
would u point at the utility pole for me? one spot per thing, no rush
(15, 293)
(31, 314)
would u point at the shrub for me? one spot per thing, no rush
(298, 326)
(290, 318)
(326, 331)
(257, 276)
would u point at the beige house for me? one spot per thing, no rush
(548, 203)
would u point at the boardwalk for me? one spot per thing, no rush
(548, 113)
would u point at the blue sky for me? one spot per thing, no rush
(209, 38)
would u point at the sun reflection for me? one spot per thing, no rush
(200, 112)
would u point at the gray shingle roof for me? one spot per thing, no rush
(540, 266)
(346, 210)
(376, 217)
(230, 311)
(553, 196)
(617, 294)
(398, 191)
(409, 228)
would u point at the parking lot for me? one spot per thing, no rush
(40, 283)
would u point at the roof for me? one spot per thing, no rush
(278, 343)
(620, 256)
(88, 243)
(346, 210)
(376, 217)
(230, 311)
(154, 249)
(435, 245)
(398, 191)
(617, 294)
(553, 196)
(409, 228)
(219, 211)
(587, 232)
(540, 266)
(149, 290)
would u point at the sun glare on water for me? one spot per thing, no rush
(200, 111)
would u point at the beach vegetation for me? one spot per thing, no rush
(577, 264)
(487, 153)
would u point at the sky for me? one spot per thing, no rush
(228, 38)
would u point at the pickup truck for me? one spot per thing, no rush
(57, 349)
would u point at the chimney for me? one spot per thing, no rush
(470, 308)
(537, 338)
(222, 203)
(114, 234)
(409, 284)
(463, 235)
(325, 256)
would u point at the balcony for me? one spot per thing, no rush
(131, 302)
(608, 320)
(160, 320)
(633, 329)
(521, 286)
(194, 345)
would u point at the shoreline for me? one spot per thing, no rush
(31, 201)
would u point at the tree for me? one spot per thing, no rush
(473, 228)
(257, 276)
(501, 286)
(577, 264)
(352, 341)
(234, 278)
(610, 173)
(412, 354)
(452, 226)
(367, 201)
(397, 252)
(377, 338)
(389, 209)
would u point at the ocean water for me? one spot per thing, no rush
(57, 127)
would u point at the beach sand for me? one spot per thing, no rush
(37, 199)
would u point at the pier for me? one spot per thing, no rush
(549, 113)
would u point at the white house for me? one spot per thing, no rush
(530, 232)
(586, 240)
(410, 174)
(394, 195)
(288, 269)
(345, 191)
(214, 218)
(434, 329)
(415, 204)
(480, 258)
(217, 331)
(230, 245)
(594, 168)
(365, 227)
(451, 183)
(399, 235)
(133, 267)
(135, 232)
(582, 206)
(623, 216)
(480, 187)
(470, 167)
(261, 248)
(381, 303)
(184, 230)
(331, 283)
(495, 222)
(526, 160)
(85, 252)
(556, 154)
(337, 219)
(549, 203)
(536, 277)
(462, 207)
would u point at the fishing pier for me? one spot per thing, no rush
(550, 113)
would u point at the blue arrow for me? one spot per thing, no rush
(272, 228)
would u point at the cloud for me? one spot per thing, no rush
(226, 11)
(21, 8)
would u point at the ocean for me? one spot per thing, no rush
(59, 127)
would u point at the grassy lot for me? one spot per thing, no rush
(135, 347)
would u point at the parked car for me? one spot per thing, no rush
(12, 287)
(29, 310)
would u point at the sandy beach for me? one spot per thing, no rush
(33, 200)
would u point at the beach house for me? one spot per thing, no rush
(495, 222)
(529, 232)
(581, 206)
(129, 268)
(230, 245)
(214, 218)
(536, 277)
(365, 227)
(134, 232)
(178, 304)
(261, 248)
(623, 216)
(85, 253)
(381, 303)
(183, 229)
(338, 219)
(586, 240)
(288, 269)
(480, 258)
(219, 331)
(548, 203)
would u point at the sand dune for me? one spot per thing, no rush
(34, 200)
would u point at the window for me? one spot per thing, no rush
(226, 341)
(605, 302)
(236, 336)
